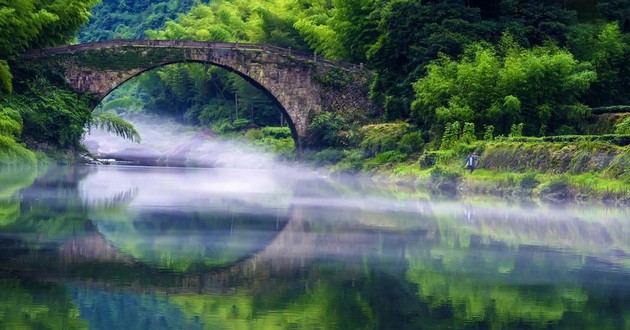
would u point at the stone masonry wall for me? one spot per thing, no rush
(302, 84)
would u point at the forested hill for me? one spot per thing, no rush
(129, 19)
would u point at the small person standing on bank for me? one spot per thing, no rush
(471, 161)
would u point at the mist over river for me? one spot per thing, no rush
(134, 247)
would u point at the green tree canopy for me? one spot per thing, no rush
(27, 24)
(503, 85)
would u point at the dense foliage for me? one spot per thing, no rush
(28, 24)
(502, 68)
(503, 86)
(543, 62)
(129, 19)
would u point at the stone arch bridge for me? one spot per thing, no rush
(301, 84)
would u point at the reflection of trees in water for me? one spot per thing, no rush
(483, 283)
(30, 304)
(191, 241)
(12, 180)
(111, 203)
(416, 265)
(493, 267)
(495, 287)
(604, 234)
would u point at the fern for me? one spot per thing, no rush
(114, 124)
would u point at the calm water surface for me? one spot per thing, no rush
(117, 247)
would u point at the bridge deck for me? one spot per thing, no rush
(186, 44)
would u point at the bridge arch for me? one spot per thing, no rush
(301, 84)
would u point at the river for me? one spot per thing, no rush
(131, 247)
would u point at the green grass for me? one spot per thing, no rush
(586, 183)
(598, 184)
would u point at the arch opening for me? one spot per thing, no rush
(212, 97)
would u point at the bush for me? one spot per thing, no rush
(516, 130)
(411, 143)
(529, 181)
(623, 127)
(387, 157)
(50, 115)
(277, 132)
(352, 161)
(223, 127)
(450, 136)
(428, 159)
(557, 188)
(12, 153)
(488, 134)
(327, 130)
(444, 179)
(254, 134)
(283, 148)
(565, 130)
(10, 122)
(327, 157)
(382, 137)
(240, 124)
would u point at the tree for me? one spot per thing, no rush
(616, 10)
(608, 49)
(27, 24)
(503, 85)
(411, 34)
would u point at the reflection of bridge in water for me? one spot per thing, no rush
(284, 257)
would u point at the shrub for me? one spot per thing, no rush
(468, 133)
(352, 161)
(488, 134)
(10, 122)
(450, 136)
(240, 124)
(557, 188)
(411, 143)
(12, 153)
(283, 148)
(565, 130)
(516, 130)
(528, 181)
(277, 132)
(444, 179)
(327, 156)
(382, 137)
(387, 157)
(223, 127)
(617, 139)
(623, 127)
(327, 130)
(254, 134)
(428, 159)
(50, 115)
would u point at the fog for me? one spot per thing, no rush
(167, 143)
(232, 175)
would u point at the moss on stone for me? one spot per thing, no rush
(126, 58)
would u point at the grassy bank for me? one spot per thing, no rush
(555, 171)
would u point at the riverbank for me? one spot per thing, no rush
(555, 172)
